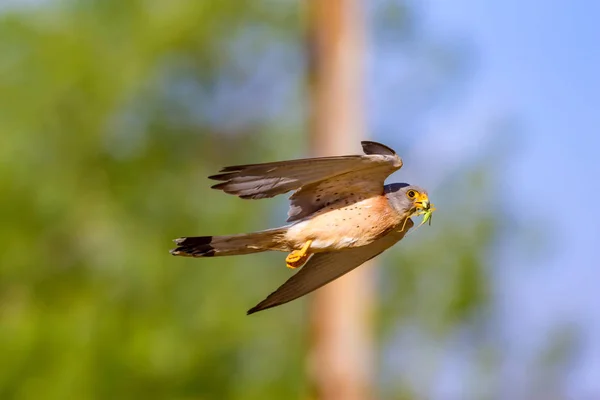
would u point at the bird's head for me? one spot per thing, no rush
(409, 200)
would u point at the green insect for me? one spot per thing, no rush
(426, 213)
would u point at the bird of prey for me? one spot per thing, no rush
(341, 215)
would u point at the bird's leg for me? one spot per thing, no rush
(297, 258)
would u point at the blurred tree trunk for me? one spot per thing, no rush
(341, 339)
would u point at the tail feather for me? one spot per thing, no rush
(230, 245)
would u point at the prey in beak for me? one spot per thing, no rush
(424, 208)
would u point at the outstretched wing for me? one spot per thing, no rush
(323, 268)
(318, 181)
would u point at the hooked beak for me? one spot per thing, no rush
(422, 202)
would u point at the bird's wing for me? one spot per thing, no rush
(323, 268)
(316, 180)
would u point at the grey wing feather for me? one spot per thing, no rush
(257, 181)
(323, 268)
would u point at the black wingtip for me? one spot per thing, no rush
(256, 309)
(219, 186)
(263, 305)
(370, 147)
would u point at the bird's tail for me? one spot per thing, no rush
(231, 245)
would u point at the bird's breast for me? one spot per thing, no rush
(350, 222)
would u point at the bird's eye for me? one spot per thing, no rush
(411, 193)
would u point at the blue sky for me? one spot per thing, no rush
(539, 61)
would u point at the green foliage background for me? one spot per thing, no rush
(112, 113)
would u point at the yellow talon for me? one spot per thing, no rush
(297, 258)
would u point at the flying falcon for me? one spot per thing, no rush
(341, 215)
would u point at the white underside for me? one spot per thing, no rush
(342, 242)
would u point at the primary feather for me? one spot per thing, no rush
(316, 181)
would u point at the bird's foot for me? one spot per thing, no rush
(297, 258)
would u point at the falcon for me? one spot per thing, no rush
(341, 215)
